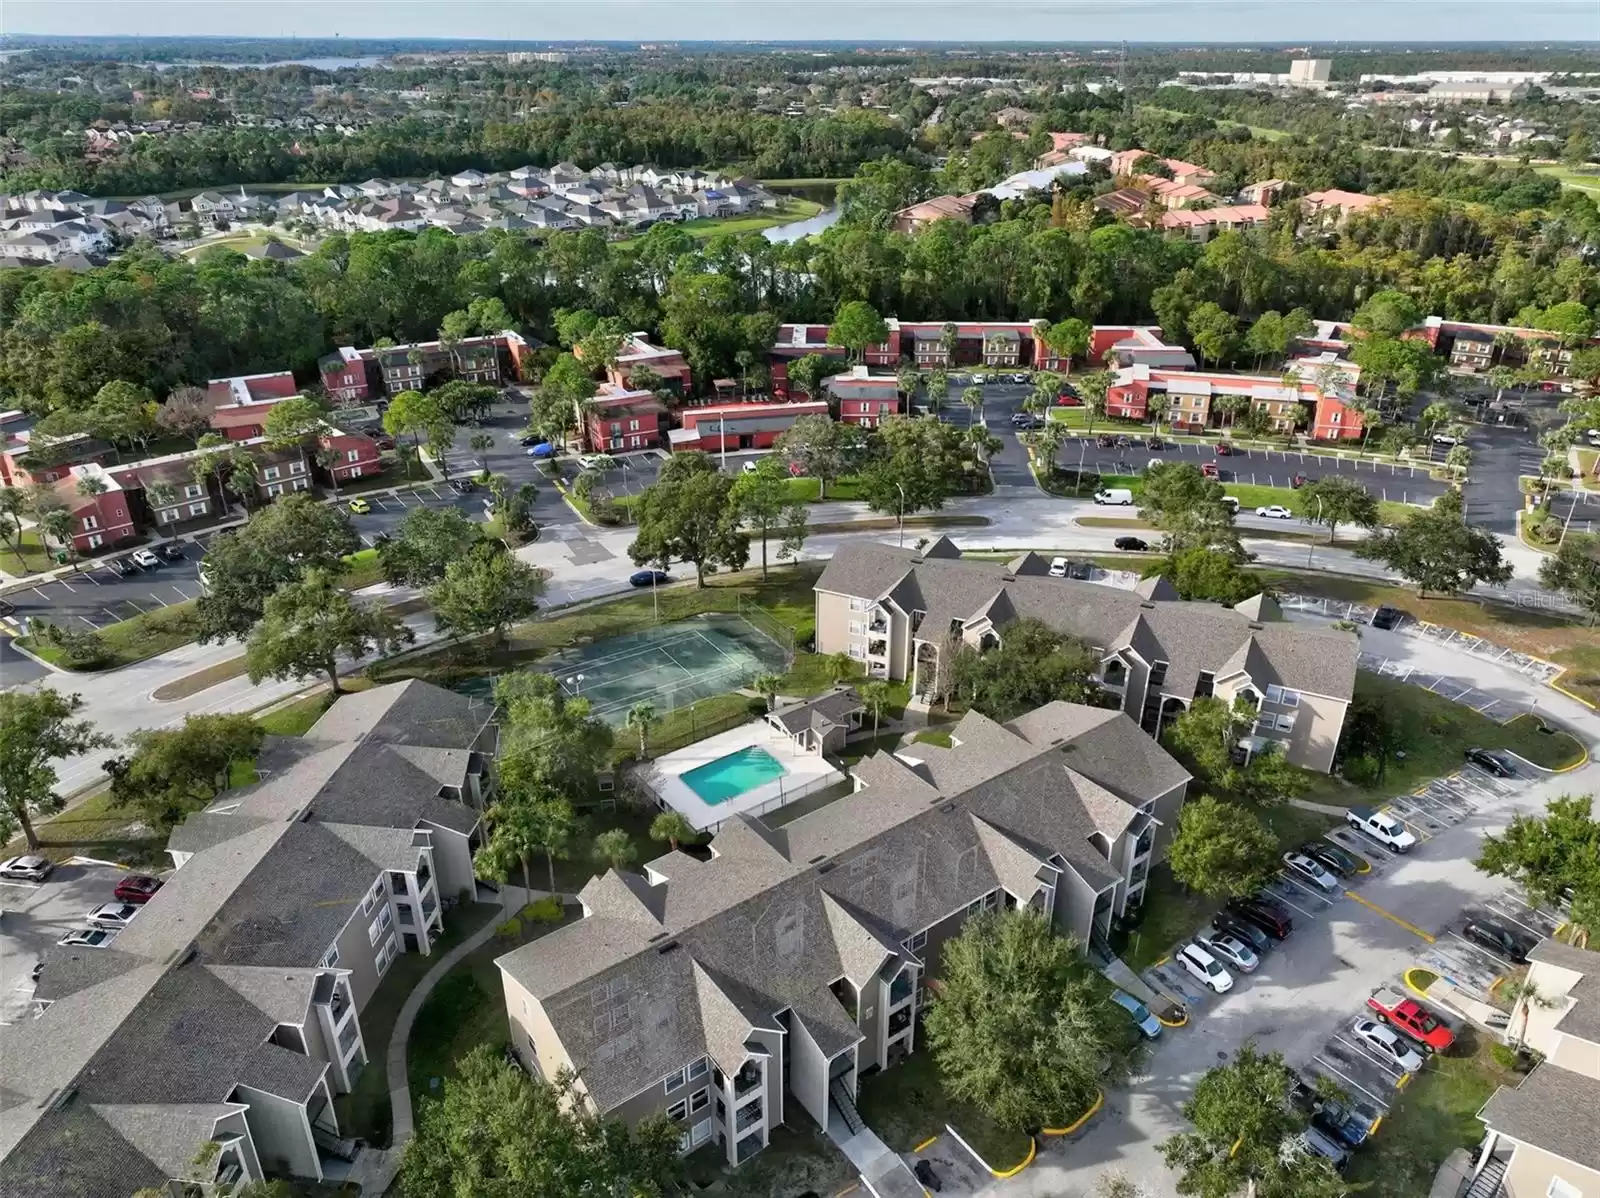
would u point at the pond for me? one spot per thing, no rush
(820, 193)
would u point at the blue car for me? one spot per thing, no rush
(1148, 1023)
(649, 578)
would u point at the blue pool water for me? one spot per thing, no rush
(731, 776)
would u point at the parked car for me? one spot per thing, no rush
(173, 551)
(1333, 857)
(1332, 1117)
(530, 440)
(1068, 399)
(1387, 1045)
(146, 559)
(541, 450)
(1205, 969)
(1021, 377)
(749, 467)
(29, 868)
(1242, 929)
(1445, 439)
(1115, 497)
(1123, 442)
(925, 1174)
(1275, 512)
(384, 443)
(1059, 567)
(1267, 916)
(7, 608)
(1209, 469)
(1317, 1141)
(648, 578)
(1412, 1018)
(1155, 443)
(602, 461)
(1142, 1019)
(1231, 503)
(1105, 441)
(137, 888)
(360, 507)
(463, 486)
(88, 938)
(1229, 949)
(1382, 827)
(1491, 762)
(1024, 420)
(1386, 617)
(112, 915)
(1133, 544)
(1224, 450)
(1499, 939)
(126, 567)
(1082, 571)
(1312, 871)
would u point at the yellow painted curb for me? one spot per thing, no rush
(1412, 986)
(1180, 1023)
(1576, 765)
(1365, 868)
(1393, 918)
(1161, 962)
(1495, 985)
(1405, 1080)
(1376, 1124)
(1099, 1101)
(1556, 683)
(1033, 1151)
(923, 1146)
(852, 1187)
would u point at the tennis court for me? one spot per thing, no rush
(669, 665)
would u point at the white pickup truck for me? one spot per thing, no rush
(1382, 827)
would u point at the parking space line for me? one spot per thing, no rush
(63, 582)
(90, 576)
(1391, 916)
(1367, 1054)
(1494, 956)
(88, 621)
(40, 593)
(1323, 1063)
(112, 614)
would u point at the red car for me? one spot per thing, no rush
(137, 888)
(1412, 1019)
(1224, 449)
(1209, 469)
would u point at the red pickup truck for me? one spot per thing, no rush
(1413, 1019)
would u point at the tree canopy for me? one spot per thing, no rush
(551, 743)
(1551, 854)
(689, 515)
(1032, 665)
(1439, 551)
(1221, 849)
(485, 591)
(37, 729)
(309, 624)
(172, 772)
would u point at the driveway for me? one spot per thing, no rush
(37, 914)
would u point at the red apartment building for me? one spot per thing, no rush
(865, 399)
(639, 353)
(240, 405)
(351, 376)
(22, 466)
(98, 521)
(1192, 395)
(1000, 344)
(617, 420)
(740, 425)
(352, 455)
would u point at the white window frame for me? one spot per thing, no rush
(674, 1082)
(95, 540)
(858, 628)
(166, 515)
(679, 1109)
(352, 455)
(699, 1069)
(199, 509)
(270, 473)
(90, 523)
(699, 1100)
(1283, 697)
(1560, 1187)
(192, 490)
(918, 940)
(330, 959)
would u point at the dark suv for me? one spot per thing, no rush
(1269, 917)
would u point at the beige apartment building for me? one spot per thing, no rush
(731, 993)
(1543, 1136)
(897, 611)
(227, 1013)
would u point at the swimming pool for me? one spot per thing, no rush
(731, 776)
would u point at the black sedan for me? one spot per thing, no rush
(1499, 939)
(648, 578)
(1333, 857)
(1134, 544)
(1386, 617)
(1491, 762)
(173, 551)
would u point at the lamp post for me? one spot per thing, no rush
(576, 683)
(902, 520)
(1312, 544)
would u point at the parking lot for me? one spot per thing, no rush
(37, 914)
(96, 595)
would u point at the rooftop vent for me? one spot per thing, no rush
(670, 946)
(817, 858)
(831, 865)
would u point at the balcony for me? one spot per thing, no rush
(1146, 842)
(746, 1082)
(748, 1117)
(901, 989)
(348, 1035)
(878, 625)
(899, 1021)
(423, 873)
(1140, 872)
(748, 1147)
(430, 904)
(407, 919)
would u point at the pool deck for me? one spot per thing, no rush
(805, 773)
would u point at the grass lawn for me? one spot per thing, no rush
(465, 1010)
(1437, 733)
(1436, 1115)
(34, 557)
(580, 864)
(135, 639)
(364, 1113)
(798, 1159)
(907, 1104)
(295, 718)
(1581, 180)
(808, 490)
(94, 828)
(934, 736)
(790, 208)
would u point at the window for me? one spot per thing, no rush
(699, 1069)
(274, 490)
(352, 455)
(1158, 673)
(199, 509)
(991, 900)
(674, 1082)
(354, 472)
(386, 954)
(376, 929)
(1270, 722)
(857, 628)
(1285, 698)
(95, 541)
(699, 1100)
(330, 958)
(90, 523)
(271, 472)
(1562, 1189)
(917, 941)
(166, 515)
(860, 604)
(857, 652)
(679, 1109)
(192, 490)
(975, 906)
(302, 484)
(633, 426)
(297, 467)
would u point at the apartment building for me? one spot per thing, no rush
(738, 426)
(1477, 347)
(27, 460)
(101, 517)
(1543, 1135)
(240, 404)
(865, 398)
(351, 376)
(725, 993)
(897, 611)
(228, 1011)
(616, 419)
(1192, 397)
(1204, 223)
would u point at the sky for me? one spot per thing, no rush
(1225, 21)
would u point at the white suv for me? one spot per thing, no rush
(1205, 968)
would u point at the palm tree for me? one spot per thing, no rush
(614, 848)
(1156, 407)
(973, 398)
(1092, 389)
(56, 523)
(641, 718)
(671, 827)
(1229, 407)
(1046, 386)
(876, 697)
(480, 444)
(13, 502)
(1500, 378)
(767, 687)
(513, 825)
(840, 666)
(90, 485)
(1524, 996)
(1051, 438)
(949, 338)
(981, 442)
(937, 385)
(907, 379)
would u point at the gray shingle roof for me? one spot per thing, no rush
(410, 712)
(776, 915)
(821, 713)
(1583, 1019)
(1191, 637)
(1554, 1109)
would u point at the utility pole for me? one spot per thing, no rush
(1122, 81)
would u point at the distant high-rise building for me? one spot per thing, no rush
(1310, 72)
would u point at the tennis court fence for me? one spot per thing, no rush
(771, 627)
(700, 728)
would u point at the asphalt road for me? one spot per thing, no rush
(37, 915)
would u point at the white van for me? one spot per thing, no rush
(1116, 496)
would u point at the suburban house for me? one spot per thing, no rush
(240, 405)
(1192, 400)
(1543, 1135)
(738, 426)
(726, 993)
(897, 611)
(919, 216)
(228, 1012)
(865, 399)
(616, 419)
(281, 471)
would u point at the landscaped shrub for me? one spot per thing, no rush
(545, 910)
(510, 930)
(1503, 1055)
